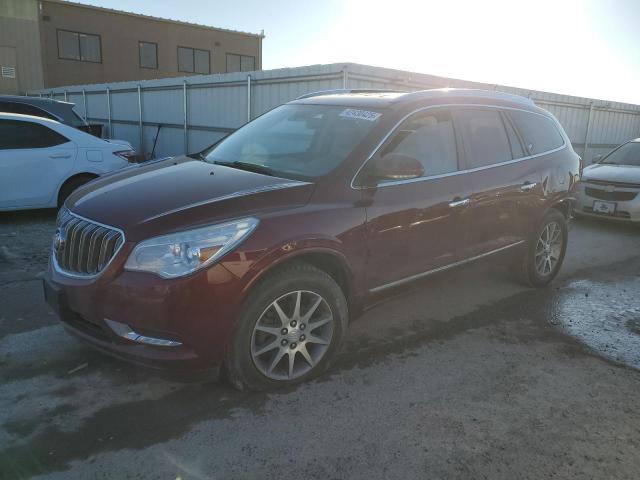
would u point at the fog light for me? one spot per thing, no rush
(125, 331)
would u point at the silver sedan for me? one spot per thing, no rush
(610, 188)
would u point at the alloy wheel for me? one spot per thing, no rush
(548, 248)
(292, 335)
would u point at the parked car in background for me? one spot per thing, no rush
(62, 112)
(256, 254)
(42, 161)
(610, 188)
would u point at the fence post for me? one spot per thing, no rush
(588, 132)
(109, 111)
(248, 98)
(140, 126)
(65, 96)
(84, 103)
(345, 77)
(185, 119)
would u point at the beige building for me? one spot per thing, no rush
(51, 43)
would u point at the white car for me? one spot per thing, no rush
(610, 188)
(42, 161)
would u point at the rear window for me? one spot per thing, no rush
(24, 109)
(15, 134)
(540, 133)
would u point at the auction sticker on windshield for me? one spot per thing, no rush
(360, 114)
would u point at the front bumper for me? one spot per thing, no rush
(626, 210)
(193, 316)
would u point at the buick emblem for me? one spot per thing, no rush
(58, 240)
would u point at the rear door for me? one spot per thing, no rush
(505, 188)
(417, 225)
(34, 160)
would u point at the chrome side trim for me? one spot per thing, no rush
(59, 270)
(458, 172)
(440, 269)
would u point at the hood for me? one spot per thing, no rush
(179, 193)
(612, 173)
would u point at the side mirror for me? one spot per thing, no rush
(396, 166)
(596, 159)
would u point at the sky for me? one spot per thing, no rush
(588, 48)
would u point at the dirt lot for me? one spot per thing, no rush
(466, 375)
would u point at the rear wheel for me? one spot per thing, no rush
(289, 331)
(545, 250)
(70, 185)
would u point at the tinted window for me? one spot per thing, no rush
(148, 55)
(240, 63)
(201, 61)
(430, 139)
(21, 135)
(24, 109)
(294, 141)
(514, 141)
(79, 46)
(193, 60)
(185, 59)
(540, 134)
(484, 137)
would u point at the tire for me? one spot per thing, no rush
(70, 186)
(248, 369)
(531, 272)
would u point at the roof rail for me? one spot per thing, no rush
(472, 92)
(348, 90)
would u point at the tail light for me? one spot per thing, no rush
(128, 155)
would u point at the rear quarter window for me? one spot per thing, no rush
(540, 133)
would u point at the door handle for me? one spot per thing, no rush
(459, 202)
(60, 155)
(527, 186)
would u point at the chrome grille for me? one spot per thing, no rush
(83, 247)
(615, 196)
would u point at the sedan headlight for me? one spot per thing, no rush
(181, 253)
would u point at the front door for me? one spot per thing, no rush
(417, 225)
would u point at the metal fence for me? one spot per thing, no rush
(186, 114)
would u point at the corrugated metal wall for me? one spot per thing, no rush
(194, 112)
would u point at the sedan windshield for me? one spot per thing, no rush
(627, 154)
(298, 141)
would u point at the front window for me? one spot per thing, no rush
(627, 154)
(298, 141)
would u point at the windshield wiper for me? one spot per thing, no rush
(250, 167)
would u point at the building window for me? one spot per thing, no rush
(148, 55)
(240, 63)
(79, 46)
(193, 60)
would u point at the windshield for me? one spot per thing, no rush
(627, 154)
(305, 141)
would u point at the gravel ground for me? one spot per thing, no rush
(466, 375)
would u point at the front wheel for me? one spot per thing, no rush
(290, 329)
(545, 250)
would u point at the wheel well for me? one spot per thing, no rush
(328, 263)
(564, 207)
(77, 176)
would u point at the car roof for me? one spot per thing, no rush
(391, 98)
(37, 101)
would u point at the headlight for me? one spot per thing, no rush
(181, 253)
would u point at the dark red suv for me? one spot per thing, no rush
(254, 254)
